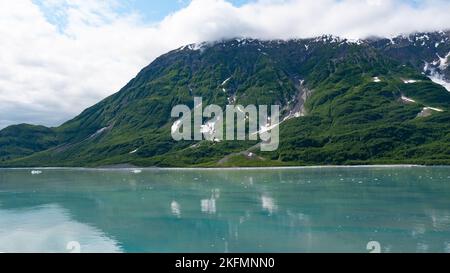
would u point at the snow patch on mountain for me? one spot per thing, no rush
(196, 47)
(435, 76)
(99, 132)
(329, 39)
(232, 99)
(443, 62)
(423, 37)
(434, 109)
(428, 111)
(225, 81)
(209, 130)
(176, 126)
(410, 81)
(439, 79)
(407, 100)
(355, 41)
(239, 108)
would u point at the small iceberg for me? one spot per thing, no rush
(268, 204)
(208, 206)
(33, 172)
(176, 208)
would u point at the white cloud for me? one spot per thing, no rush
(50, 73)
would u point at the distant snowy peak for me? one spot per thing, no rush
(195, 46)
(262, 45)
(444, 62)
(432, 40)
(429, 52)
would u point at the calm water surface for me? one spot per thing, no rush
(405, 209)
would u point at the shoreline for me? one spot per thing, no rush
(387, 166)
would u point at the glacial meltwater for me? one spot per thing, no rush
(348, 209)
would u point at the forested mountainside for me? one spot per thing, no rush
(372, 101)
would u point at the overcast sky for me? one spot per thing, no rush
(58, 57)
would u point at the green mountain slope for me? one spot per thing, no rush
(23, 140)
(366, 103)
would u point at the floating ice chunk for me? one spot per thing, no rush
(209, 206)
(175, 208)
(422, 248)
(268, 204)
(215, 193)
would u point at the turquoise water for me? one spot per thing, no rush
(404, 209)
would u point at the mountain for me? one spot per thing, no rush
(369, 101)
(429, 52)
